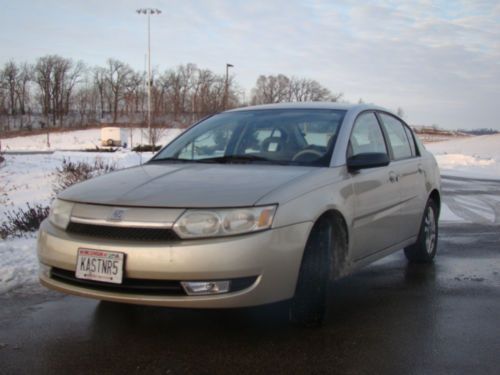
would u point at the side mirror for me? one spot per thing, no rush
(367, 160)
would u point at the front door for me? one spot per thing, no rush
(410, 174)
(377, 196)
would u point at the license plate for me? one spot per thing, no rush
(100, 265)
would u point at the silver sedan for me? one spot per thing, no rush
(248, 207)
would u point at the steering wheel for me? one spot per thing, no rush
(306, 155)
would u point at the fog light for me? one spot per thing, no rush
(193, 288)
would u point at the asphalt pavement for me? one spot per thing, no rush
(390, 318)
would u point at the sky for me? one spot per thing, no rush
(437, 60)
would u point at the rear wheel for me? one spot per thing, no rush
(308, 305)
(424, 250)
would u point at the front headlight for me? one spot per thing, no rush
(60, 213)
(224, 222)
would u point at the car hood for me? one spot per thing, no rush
(185, 185)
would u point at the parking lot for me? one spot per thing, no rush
(389, 318)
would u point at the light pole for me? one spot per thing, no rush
(149, 12)
(226, 91)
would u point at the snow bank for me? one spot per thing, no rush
(18, 263)
(473, 157)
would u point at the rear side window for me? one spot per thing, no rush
(409, 134)
(397, 137)
(366, 136)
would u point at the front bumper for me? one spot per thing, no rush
(273, 256)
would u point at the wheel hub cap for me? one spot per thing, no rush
(430, 230)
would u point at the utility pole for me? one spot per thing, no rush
(226, 90)
(149, 12)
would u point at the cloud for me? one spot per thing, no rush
(440, 61)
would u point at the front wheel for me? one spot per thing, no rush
(424, 250)
(308, 305)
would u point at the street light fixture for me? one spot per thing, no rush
(226, 91)
(149, 12)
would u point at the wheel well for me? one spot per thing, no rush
(335, 217)
(340, 243)
(436, 197)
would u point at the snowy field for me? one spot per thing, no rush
(30, 179)
(472, 157)
(79, 140)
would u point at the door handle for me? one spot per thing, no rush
(393, 177)
(420, 168)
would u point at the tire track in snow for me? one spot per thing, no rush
(474, 200)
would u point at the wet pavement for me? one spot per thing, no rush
(390, 318)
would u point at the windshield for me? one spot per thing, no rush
(273, 136)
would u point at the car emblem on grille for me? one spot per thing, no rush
(117, 214)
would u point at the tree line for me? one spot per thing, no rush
(56, 92)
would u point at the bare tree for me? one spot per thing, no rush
(9, 78)
(25, 76)
(72, 79)
(86, 101)
(117, 75)
(14, 86)
(272, 89)
(66, 92)
(56, 77)
(280, 88)
(309, 90)
(99, 79)
(43, 78)
(189, 93)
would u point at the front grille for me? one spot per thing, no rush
(122, 233)
(140, 286)
(131, 286)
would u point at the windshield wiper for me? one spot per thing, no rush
(173, 159)
(228, 159)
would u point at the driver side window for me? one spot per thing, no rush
(366, 136)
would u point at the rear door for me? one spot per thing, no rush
(409, 171)
(377, 197)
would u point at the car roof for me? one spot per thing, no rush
(311, 105)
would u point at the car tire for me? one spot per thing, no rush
(308, 306)
(424, 250)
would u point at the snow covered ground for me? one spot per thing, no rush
(472, 157)
(79, 140)
(18, 264)
(30, 178)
